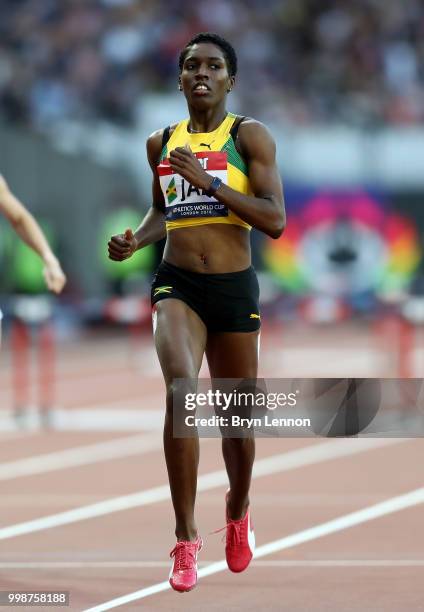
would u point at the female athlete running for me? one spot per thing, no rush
(214, 177)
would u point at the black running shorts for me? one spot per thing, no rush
(225, 302)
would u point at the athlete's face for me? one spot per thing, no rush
(204, 77)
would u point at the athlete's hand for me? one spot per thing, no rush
(183, 161)
(53, 275)
(122, 246)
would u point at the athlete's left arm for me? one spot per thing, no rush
(265, 209)
(29, 230)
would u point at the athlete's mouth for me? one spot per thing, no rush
(201, 87)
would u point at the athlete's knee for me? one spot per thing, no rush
(180, 395)
(242, 443)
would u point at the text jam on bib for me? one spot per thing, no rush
(183, 200)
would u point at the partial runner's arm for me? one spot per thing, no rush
(31, 233)
(152, 228)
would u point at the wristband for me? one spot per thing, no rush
(213, 187)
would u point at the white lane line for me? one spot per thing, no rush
(339, 563)
(113, 418)
(7, 436)
(61, 565)
(80, 455)
(97, 418)
(394, 504)
(308, 455)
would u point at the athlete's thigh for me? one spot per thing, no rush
(180, 339)
(233, 354)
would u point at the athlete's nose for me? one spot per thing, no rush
(202, 71)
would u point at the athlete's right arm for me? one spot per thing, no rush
(152, 228)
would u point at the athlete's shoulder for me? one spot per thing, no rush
(155, 140)
(157, 135)
(253, 127)
(255, 136)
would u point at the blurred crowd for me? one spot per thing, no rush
(358, 62)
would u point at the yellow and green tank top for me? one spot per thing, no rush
(187, 205)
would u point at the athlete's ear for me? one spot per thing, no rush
(231, 82)
(180, 85)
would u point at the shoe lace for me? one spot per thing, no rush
(234, 535)
(184, 555)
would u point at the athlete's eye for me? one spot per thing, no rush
(189, 66)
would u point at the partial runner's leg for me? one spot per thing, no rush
(180, 338)
(235, 355)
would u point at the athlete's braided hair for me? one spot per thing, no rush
(215, 39)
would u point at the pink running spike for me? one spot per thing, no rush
(183, 574)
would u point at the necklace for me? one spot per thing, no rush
(191, 131)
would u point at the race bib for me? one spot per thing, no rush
(183, 200)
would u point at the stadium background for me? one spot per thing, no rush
(82, 84)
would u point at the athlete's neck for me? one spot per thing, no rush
(201, 122)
